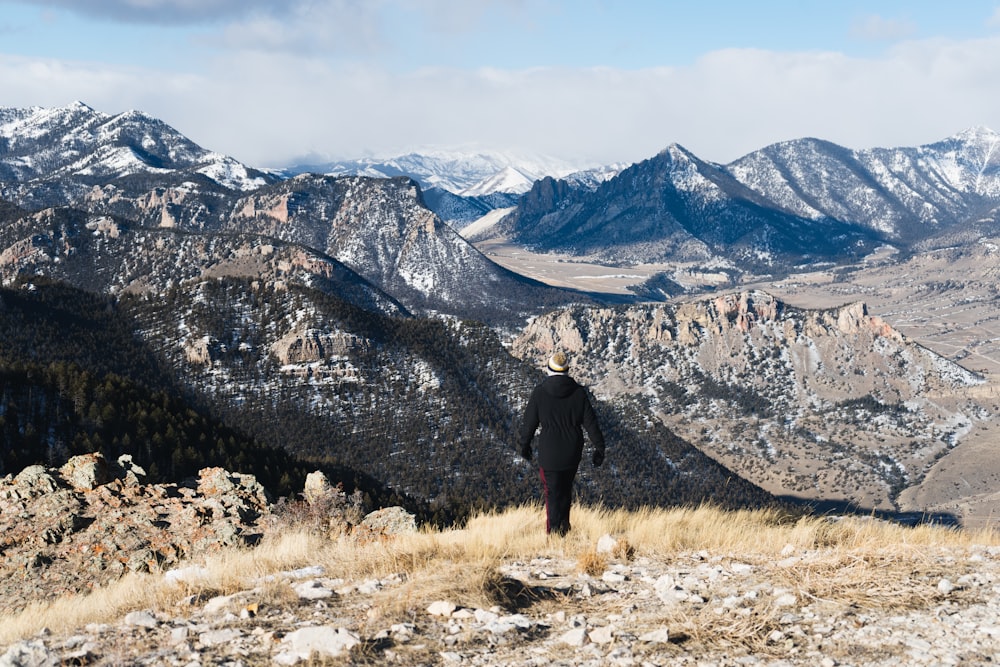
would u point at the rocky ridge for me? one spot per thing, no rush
(69, 530)
(831, 404)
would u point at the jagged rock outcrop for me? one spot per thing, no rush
(91, 521)
(76, 527)
(298, 347)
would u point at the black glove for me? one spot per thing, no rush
(598, 458)
(526, 452)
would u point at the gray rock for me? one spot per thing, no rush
(34, 481)
(312, 589)
(141, 619)
(217, 637)
(391, 521)
(87, 471)
(441, 608)
(322, 641)
(576, 637)
(661, 636)
(29, 654)
(317, 485)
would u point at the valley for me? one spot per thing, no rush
(947, 300)
(808, 321)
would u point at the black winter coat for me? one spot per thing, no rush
(563, 409)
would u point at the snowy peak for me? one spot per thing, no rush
(466, 174)
(507, 179)
(77, 142)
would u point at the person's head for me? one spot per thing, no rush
(558, 363)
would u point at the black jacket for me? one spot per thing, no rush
(563, 410)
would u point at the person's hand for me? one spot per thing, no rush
(598, 458)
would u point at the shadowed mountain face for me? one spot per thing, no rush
(804, 202)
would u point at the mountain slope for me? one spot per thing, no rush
(132, 172)
(419, 408)
(822, 404)
(906, 194)
(677, 207)
(50, 156)
(802, 202)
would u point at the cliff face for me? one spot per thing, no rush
(832, 404)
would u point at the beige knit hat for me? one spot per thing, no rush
(558, 363)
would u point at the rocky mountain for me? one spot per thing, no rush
(51, 156)
(829, 404)
(460, 211)
(413, 408)
(794, 204)
(338, 319)
(79, 179)
(461, 187)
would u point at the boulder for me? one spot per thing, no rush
(390, 521)
(86, 472)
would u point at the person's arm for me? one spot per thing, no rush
(529, 424)
(593, 429)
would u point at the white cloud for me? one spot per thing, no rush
(994, 20)
(264, 109)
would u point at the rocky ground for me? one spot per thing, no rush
(608, 604)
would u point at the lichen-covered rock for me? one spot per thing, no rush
(390, 521)
(86, 472)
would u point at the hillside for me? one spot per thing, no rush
(698, 586)
(826, 404)
(341, 322)
(305, 374)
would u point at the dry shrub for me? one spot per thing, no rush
(623, 551)
(592, 563)
(887, 580)
(464, 583)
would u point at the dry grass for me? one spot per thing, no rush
(861, 561)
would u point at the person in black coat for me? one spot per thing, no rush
(562, 408)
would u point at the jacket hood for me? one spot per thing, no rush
(559, 385)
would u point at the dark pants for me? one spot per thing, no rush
(558, 488)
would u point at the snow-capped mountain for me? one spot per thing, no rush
(468, 174)
(902, 193)
(132, 171)
(793, 203)
(51, 155)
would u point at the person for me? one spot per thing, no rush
(562, 408)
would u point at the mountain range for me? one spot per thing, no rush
(783, 208)
(339, 319)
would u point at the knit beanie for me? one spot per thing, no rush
(558, 363)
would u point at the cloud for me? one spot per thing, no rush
(878, 29)
(163, 12)
(265, 109)
(310, 27)
(994, 20)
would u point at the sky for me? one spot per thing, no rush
(588, 82)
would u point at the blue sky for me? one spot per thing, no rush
(587, 81)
